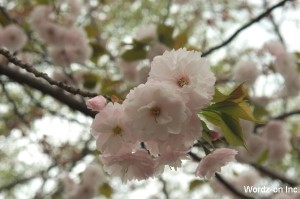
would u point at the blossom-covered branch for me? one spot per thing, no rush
(245, 26)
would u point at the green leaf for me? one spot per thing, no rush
(232, 130)
(106, 190)
(92, 30)
(206, 133)
(141, 43)
(238, 94)
(134, 54)
(181, 40)
(45, 2)
(195, 184)
(165, 34)
(4, 21)
(230, 126)
(297, 55)
(90, 80)
(98, 51)
(263, 157)
(212, 117)
(260, 112)
(237, 110)
(219, 97)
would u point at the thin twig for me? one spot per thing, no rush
(168, 11)
(275, 26)
(248, 24)
(52, 112)
(231, 188)
(7, 16)
(279, 117)
(31, 69)
(164, 189)
(13, 103)
(276, 176)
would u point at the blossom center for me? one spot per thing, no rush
(183, 81)
(117, 130)
(155, 111)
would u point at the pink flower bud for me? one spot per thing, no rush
(97, 103)
(215, 135)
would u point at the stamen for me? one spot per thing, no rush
(117, 130)
(155, 111)
(183, 81)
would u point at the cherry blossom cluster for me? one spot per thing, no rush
(13, 37)
(66, 43)
(273, 138)
(245, 71)
(157, 123)
(285, 63)
(92, 178)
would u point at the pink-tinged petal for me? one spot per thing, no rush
(129, 166)
(188, 73)
(214, 161)
(155, 111)
(170, 158)
(111, 129)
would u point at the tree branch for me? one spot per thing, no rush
(276, 176)
(231, 188)
(29, 68)
(56, 93)
(279, 117)
(245, 26)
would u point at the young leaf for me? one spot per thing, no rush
(181, 40)
(90, 80)
(206, 133)
(134, 54)
(236, 110)
(229, 125)
(238, 94)
(98, 51)
(194, 184)
(91, 30)
(232, 130)
(263, 157)
(165, 34)
(219, 97)
(106, 190)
